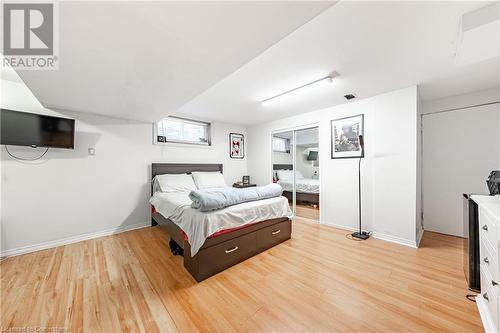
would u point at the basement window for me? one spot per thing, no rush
(182, 130)
(281, 145)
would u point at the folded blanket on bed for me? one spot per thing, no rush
(217, 198)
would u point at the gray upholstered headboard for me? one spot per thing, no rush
(163, 168)
(282, 166)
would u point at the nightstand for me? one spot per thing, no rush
(240, 185)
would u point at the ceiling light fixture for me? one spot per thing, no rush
(327, 79)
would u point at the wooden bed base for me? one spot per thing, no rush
(312, 198)
(225, 250)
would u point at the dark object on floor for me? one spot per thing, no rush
(175, 248)
(471, 244)
(360, 235)
(471, 298)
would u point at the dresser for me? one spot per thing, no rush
(489, 234)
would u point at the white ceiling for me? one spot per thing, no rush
(142, 60)
(375, 46)
(217, 60)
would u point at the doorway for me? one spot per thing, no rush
(295, 165)
(460, 148)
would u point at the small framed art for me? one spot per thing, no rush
(236, 145)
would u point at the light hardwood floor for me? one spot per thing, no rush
(317, 281)
(307, 212)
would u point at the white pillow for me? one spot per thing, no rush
(287, 175)
(208, 180)
(175, 183)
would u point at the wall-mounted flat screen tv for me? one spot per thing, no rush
(313, 156)
(36, 130)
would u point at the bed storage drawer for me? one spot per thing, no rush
(273, 235)
(227, 250)
(216, 258)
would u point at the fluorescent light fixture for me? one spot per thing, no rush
(322, 81)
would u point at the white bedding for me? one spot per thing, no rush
(198, 225)
(305, 185)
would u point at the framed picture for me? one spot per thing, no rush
(236, 145)
(345, 137)
(246, 180)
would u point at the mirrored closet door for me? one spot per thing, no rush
(295, 165)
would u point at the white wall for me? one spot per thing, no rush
(460, 149)
(460, 101)
(389, 169)
(498, 147)
(69, 195)
(307, 168)
(282, 158)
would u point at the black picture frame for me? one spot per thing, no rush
(334, 126)
(246, 180)
(235, 152)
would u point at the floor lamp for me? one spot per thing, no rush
(361, 235)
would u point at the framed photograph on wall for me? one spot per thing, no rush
(345, 137)
(236, 145)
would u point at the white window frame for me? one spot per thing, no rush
(184, 142)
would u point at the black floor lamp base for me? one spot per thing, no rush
(360, 235)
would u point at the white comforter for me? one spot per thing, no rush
(305, 185)
(198, 225)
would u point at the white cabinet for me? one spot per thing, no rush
(489, 229)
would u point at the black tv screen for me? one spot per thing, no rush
(313, 155)
(35, 130)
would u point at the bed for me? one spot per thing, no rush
(226, 247)
(307, 189)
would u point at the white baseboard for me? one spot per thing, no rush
(378, 235)
(338, 226)
(69, 240)
(75, 239)
(394, 239)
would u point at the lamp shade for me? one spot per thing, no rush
(313, 156)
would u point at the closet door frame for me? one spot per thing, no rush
(294, 157)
